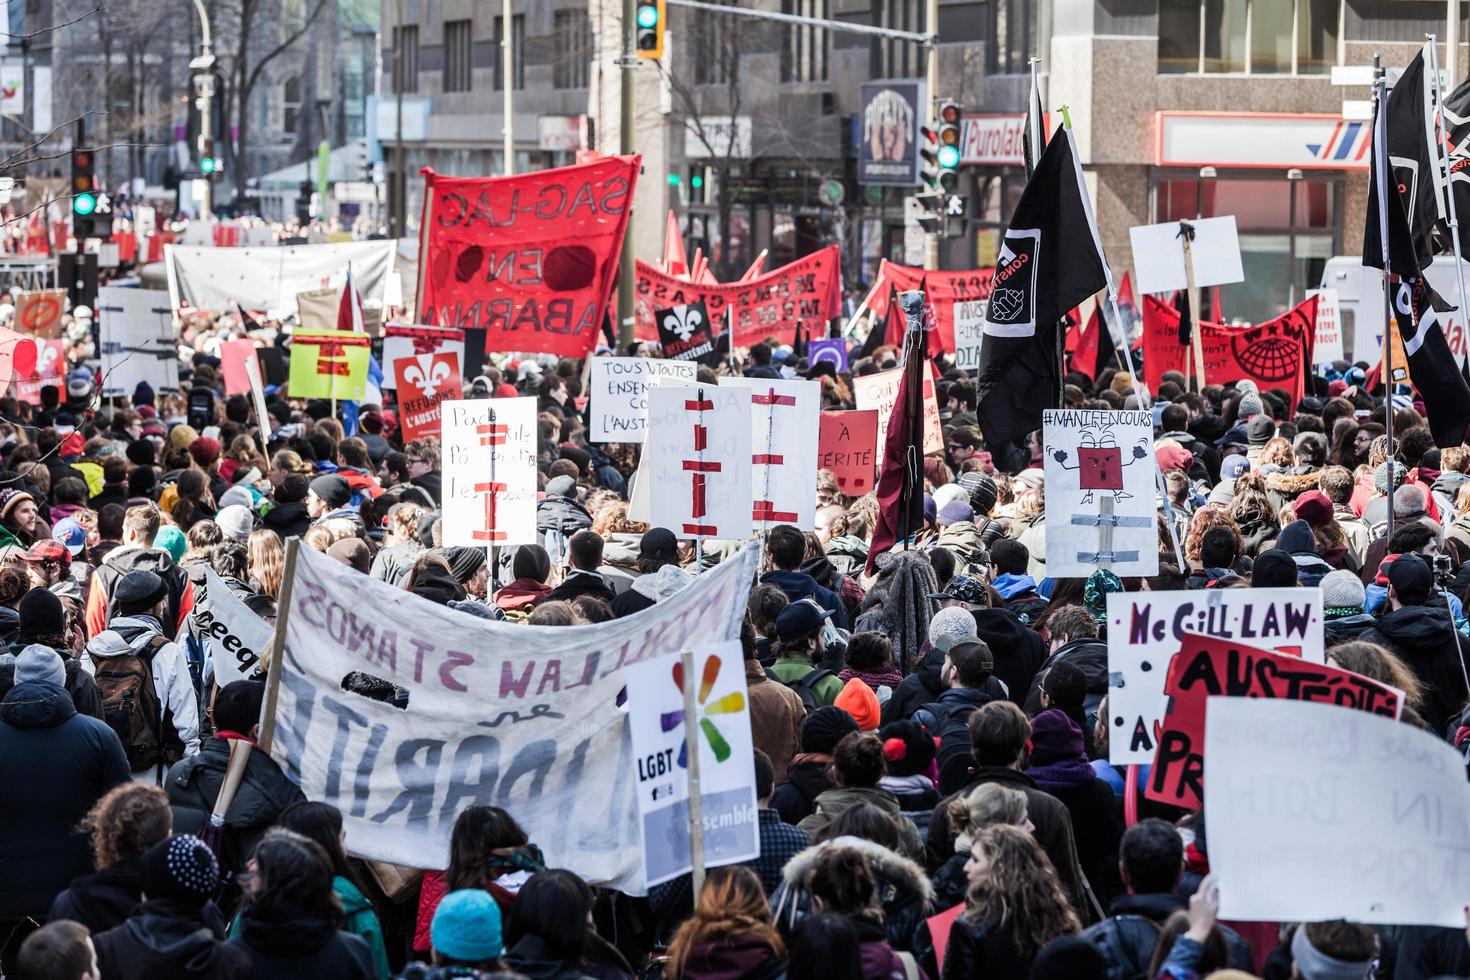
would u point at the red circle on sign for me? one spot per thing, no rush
(41, 312)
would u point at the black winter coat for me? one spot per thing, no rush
(102, 900)
(166, 940)
(1018, 650)
(795, 799)
(917, 689)
(282, 945)
(1347, 628)
(1126, 938)
(580, 584)
(1089, 656)
(289, 520)
(1424, 639)
(983, 949)
(55, 764)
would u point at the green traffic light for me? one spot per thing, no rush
(949, 157)
(696, 181)
(84, 204)
(675, 180)
(207, 165)
(648, 16)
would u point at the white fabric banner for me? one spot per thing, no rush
(268, 278)
(235, 637)
(1099, 493)
(522, 717)
(1322, 812)
(138, 340)
(488, 451)
(784, 416)
(619, 391)
(698, 452)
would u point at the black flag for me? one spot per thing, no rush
(1048, 263)
(1411, 167)
(246, 320)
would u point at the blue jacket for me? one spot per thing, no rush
(800, 585)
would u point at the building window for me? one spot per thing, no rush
(1255, 37)
(804, 53)
(716, 47)
(290, 104)
(406, 58)
(573, 49)
(518, 51)
(457, 48)
(899, 59)
(1014, 36)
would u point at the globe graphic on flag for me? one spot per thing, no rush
(1269, 358)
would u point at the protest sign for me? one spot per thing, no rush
(880, 392)
(698, 453)
(488, 450)
(1206, 667)
(833, 350)
(232, 355)
(969, 331)
(529, 259)
(802, 295)
(316, 309)
(1275, 354)
(848, 444)
(522, 717)
(619, 391)
(49, 370)
(1158, 254)
(1327, 345)
(1099, 493)
(329, 364)
(234, 637)
(943, 294)
(1145, 629)
(39, 312)
(1318, 812)
(138, 343)
(726, 760)
(17, 359)
(684, 332)
(412, 340)
(783, 419)
(268, 278)
(425, 382)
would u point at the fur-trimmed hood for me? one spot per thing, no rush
(897, 869)
(1290, 483)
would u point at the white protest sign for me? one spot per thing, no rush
(726, 760)
(784, 416)
(880, 391)
(619, 394)
(969, 331)
(1322, 812)
(489, 456)
(410, 340)
(1328, 343)
(235, 637)
(1158, 254)
(1099, 493)
(136, 330)
(698, 460)
(1145, 630)
(522, 717)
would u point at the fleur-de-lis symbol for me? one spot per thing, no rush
(683, 320)
(49, 354)
(425, 373)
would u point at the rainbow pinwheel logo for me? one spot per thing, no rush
(730, 704)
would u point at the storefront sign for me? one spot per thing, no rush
(717, 137)
(888, 150)
(1261, 139)
(992, 140)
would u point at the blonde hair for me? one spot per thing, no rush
(267, 560)
(986, 805)
(1020, 891)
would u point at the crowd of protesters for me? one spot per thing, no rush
(935, 796)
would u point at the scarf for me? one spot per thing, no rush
(875, 679)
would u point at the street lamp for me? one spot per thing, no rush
(202, 67)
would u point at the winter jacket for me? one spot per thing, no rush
(579, 583)
(903, 889)
(806, 779)
(1424, 639)
(393, 563)
(848, 554)
(9, 620)
(289, 520)
(1345, 628)
(171, 681)
(1445, 488)
(641, 594)
(620, 560)
(520, 595)
(789, 669)
(843, 585)
(733, 958)
(362, 921)
(1284, 486)
(128, 558)
(281, 945)
(534, 960)
(984, 949)
(562, 514)
(800, 585)
(831, 804)
(1126, 938)
(1089, 656)
(776, 715)
(431, 483)
(79, 683)
(101, 900)
(1019, 651)
(962, 539)
(947, 719)
(167, 940)
(921, 686)
(55, 765)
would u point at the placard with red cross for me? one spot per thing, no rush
(488, 451)
(698, 460)
(783, 433)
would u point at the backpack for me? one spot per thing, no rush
(130, 705)
(949, 726)
(806, 686)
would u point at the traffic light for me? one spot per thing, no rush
(83, 184)
(648, 24)
(947, 155)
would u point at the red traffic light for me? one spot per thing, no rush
(949, 113)
(81, 158)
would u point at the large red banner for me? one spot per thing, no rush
(1274, 354)
(949, 296)
(529, 259)
(803, 294)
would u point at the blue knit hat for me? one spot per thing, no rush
(466, 927)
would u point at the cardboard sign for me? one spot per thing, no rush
(39, 312)
(969, 332)
(1274, 354)
(684, 332)
(529, 259)
(880, 392)
(329, 364)
(1206, 667)
(233, 355)
(943, 292)
(801, 295)
(316, 309)
(1158, 254)
(1100, 499)
(698, 453)
(783, 433)
(619, 393)
(524, 717)
(489, 456)
(235, 637)
(1327, 347)
(1318, 812)
(18, 354)
(425, 382)
(833, 350)
(1145, 629)
(726, 760)
(49, 370)
(848, 444)
(411, 340)
(138, 342)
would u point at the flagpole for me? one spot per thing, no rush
(1441, 159)
(1380, 175)
(1144, 400)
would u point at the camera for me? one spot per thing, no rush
(1444, 571)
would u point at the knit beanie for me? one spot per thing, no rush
(948, 493)
(332, 489)
(907, 751)
(38, 663)
(1055, 738)
(951, 625)
(171, 540)
(41, 614)
(1380, 475)
(181, 868)
(824, 728)
(956, 511)
(1069, 958)
(531, 561)
(1342, 594)
(466, 927)
(10, 499)
(982, 491)
(858, 700)
(1250, 405)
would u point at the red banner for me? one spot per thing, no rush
(1206, 666)
(424, 382)
(1274, 354)
(802, 294)
(529, 259)
(949, 295)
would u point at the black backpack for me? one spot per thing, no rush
(806, 686)
(949, 725)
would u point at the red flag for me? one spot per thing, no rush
(1125, 290)
(1083, 351)
(1216, 315)
(900, 488)
(754, 271)
(1073, 337)
(349, 310)
(676, 263)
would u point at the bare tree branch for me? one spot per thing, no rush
(54, 27)
(295, 36)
